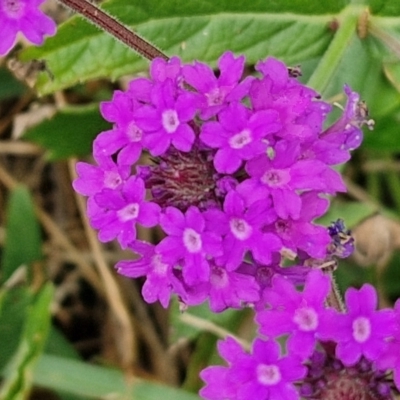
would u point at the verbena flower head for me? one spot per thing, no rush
(236, 177)
(23, 16)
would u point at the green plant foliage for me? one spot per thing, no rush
(191, 30)
(14, 304)
(23, 241)
(9, 86)
(18, 373)
(91, 381)
(69, 133)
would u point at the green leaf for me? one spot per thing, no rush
(388, 8)
(19, 372)
(15, 303)
(192, 30)
(351, 212)
(23, 241)
(9, 86)
(385, 136)
(91, 381)
(69, 133)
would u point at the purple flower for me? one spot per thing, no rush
(294, 313)
(390, 358)
(361, 331)
(302, 234)
(346, 132)
(158, 273)
(240, 225)
(215, 93)
(282, 177)
(264, 374)
(119, 210)
(219, 384)
(189, 241)
(161, 70)
(93, 179)
(165, 122)
(26, 17)
(239, 135)
(301, 116)
(231, 289)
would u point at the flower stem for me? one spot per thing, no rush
(334, 299)
(326, 68)
(108, 23)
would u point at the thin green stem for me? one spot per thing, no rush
(326, 68)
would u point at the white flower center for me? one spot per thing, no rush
(133, 132)
(240, 228)
(306, 319)
(170, 121)
(268, 375)
(13, 8)
(219, 278)
(160, 268)
(129, 212)
(276, 177)
(112, 179)
(192, 240)
(361, 329)
(215, 97)
(241, 139)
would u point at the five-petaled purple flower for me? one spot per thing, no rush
(23, 16)
(264, 374)
(362, 330)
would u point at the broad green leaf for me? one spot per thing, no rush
(92, 382)
(15, 303)
(19, 372)
(293, 31)
(69, 133)
(23, 242)
(390, 8)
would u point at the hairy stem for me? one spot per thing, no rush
(109, 24)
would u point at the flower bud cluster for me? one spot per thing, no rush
(239, 168)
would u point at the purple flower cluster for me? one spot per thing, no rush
(23, 16)
(232, 170)
(328, 354)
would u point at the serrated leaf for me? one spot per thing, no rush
(23, 241)
(18, 373)
(69, 133)
(191, 30)
(92, 382)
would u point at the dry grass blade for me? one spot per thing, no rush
(125, 340)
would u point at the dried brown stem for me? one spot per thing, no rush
(126, 339)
